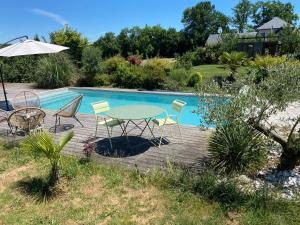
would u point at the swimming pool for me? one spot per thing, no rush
(59, 98)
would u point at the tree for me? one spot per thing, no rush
(70, 38)
(256, 103)
(264, 11)
(108, 44)
(201, 20)
(290, 40)
(242, 12)
(91, 59)
(43, 143)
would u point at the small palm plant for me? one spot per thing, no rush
(43, 143)
(233, 61)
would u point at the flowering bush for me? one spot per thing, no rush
(134, 60)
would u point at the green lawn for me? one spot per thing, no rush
(212, 70)
(89, 193)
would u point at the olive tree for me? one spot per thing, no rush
(256, 104)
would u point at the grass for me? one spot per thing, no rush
(89, 193)
(212, 70)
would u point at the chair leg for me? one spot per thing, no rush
(109, 137)
(78, 121)
(161, 136)
(180, 133)
(55, 124)
(96, 130)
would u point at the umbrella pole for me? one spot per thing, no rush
(3, 86)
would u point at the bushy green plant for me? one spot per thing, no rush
(185, 61)
(154, 74)
(55, 71)
(194, 79)
(262, 63)
(180, 75)
(233, 60)
(20, 69)
(128, 76)
(43, 143)
(102, 79)
(237, 148)
(155, 63)
(91, 59)
(110, 65)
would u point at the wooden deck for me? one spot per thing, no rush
(141, 153)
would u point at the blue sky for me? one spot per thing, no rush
(95, 17)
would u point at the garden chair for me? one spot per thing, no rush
(100, 108)
(26, 99)
(27, 120)
(68, 111)
(4, 118)
(170, 120)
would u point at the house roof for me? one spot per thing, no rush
(275, 23)
(214, 39)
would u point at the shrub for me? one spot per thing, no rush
(154, 74)
(194, 79)
(102, 79)
(110, 65)
(262, 63)
(180, 75)
(164, 64)
(55, 71)
(185, 61)
(91, 58)
(134, 60)
(128, 76)
(20, 69)
(237, 148)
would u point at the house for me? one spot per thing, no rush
(263, 40)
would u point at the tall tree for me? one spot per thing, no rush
(201, 20)
(70, 38)
(108, 44)
(264, 11)
(241, 15)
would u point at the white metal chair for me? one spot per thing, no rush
(100, 108)
(170, 120)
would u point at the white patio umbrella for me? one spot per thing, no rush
(26, 47)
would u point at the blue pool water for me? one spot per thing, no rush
(58, 99)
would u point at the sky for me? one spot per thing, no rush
(93, 18)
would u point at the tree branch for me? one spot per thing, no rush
(269, 133)
(293, 128)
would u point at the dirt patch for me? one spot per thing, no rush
(12, 176)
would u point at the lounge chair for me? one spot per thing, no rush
(27, 119)
(68, 111)
(26, 99)
(170, 120)
(102, 107)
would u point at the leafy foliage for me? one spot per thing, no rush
(241, 15)
(70, 38)
(256, 103)
(108, 44)
(237, 148)
(201, 20)
(43, 143)
(233, 60)
(290, 41)
(264, 11)
(55, 71)
(91, 59)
